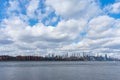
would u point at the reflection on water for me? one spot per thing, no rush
(60, 70)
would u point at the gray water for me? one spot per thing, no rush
(60, 70)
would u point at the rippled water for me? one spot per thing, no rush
(60, 70)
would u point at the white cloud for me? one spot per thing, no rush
(13, 8)
(103, 27)
(113, 43)
(102, 37)
(100, 27)
(113, 8)
(14, 5)
(19, 30)
(32, 7)
(74, 8)
(102, 32)
(39, 36)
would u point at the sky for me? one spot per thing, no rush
(41, 27)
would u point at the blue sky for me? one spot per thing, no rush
(32, 21)
(32, 27)
(106, 2)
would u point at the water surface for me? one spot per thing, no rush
(74, 70)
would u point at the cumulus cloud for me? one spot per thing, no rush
(113, 8)
(13, 6)
(18, 30)
(74, 8)
(83, 27)
(39, 36)
(103, 33)
(100, 27)
(32, 7)
(113, 43)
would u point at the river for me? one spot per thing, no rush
(60, 70)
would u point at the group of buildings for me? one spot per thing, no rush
(53, 57)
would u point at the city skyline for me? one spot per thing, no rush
(53, 57)
(41, 27)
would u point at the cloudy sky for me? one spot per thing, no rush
(39, 27)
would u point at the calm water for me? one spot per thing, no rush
(59, 70)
